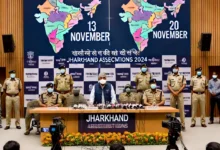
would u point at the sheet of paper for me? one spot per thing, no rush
(152, 107)
(52, 108)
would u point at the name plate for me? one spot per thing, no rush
(114, 122)
(52, 108)
(92, 108)
(152, 107)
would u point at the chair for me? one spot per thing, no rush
(35, 124)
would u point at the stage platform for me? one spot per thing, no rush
(194, 138)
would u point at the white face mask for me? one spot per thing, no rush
(102, 81)
(214, 76)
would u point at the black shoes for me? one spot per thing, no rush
(27, 133)
(204, 125)
(193, 125)
(211, 122)
(37, 133)
(8, 127)
(0, 126)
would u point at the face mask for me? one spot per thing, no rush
(128, 90)
(143, 69)
(199, 73)
(102, 81)
(50, 90)
(214, 76)
(62, 71)
(175, 70)
(12, 75)
(153, 86)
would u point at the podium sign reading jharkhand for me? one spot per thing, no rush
(91, 123)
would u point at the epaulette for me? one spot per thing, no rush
(158, 90)
(193, 76)
(148, 90)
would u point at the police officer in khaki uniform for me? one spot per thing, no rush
(142, 82)
(77, 99)
(46, 99)
(63, 84)
(176, 83)
(198, 84)
(1, 92)
(128, 97)
(153, 96)
(12, 86)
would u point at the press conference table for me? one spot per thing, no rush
(145, 120)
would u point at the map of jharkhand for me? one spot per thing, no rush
(142, 17)
(59, 19)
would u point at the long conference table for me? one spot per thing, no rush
(144, 120)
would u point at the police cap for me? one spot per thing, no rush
(199, 69)
(49, 85)
(174, 66)
(12, 71)
(152, 81)
(143, 65)
(62, 67)
(127, 86)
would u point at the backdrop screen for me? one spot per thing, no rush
(111, 36)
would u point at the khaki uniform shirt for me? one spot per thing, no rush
(199, 83)
(49, 99)
(125, 98)
(142, 81)
(12, 86)
(153, 97)
(176, 81)
(63, 82)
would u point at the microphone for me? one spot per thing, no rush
(134, 106)
(125, 106)
(75, 106)
(100, 106)
(129, 106)
(113, 106)
(141, 106)
(118, 106)
(108, 106)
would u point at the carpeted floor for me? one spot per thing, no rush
(194, 138)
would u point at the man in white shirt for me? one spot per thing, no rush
(102, 92)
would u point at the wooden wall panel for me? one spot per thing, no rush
(11, 22)
(204, 18)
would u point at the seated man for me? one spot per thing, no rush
(153, 96)
(47, 99)
(77, 98)
(128, 97)
(102, 92)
